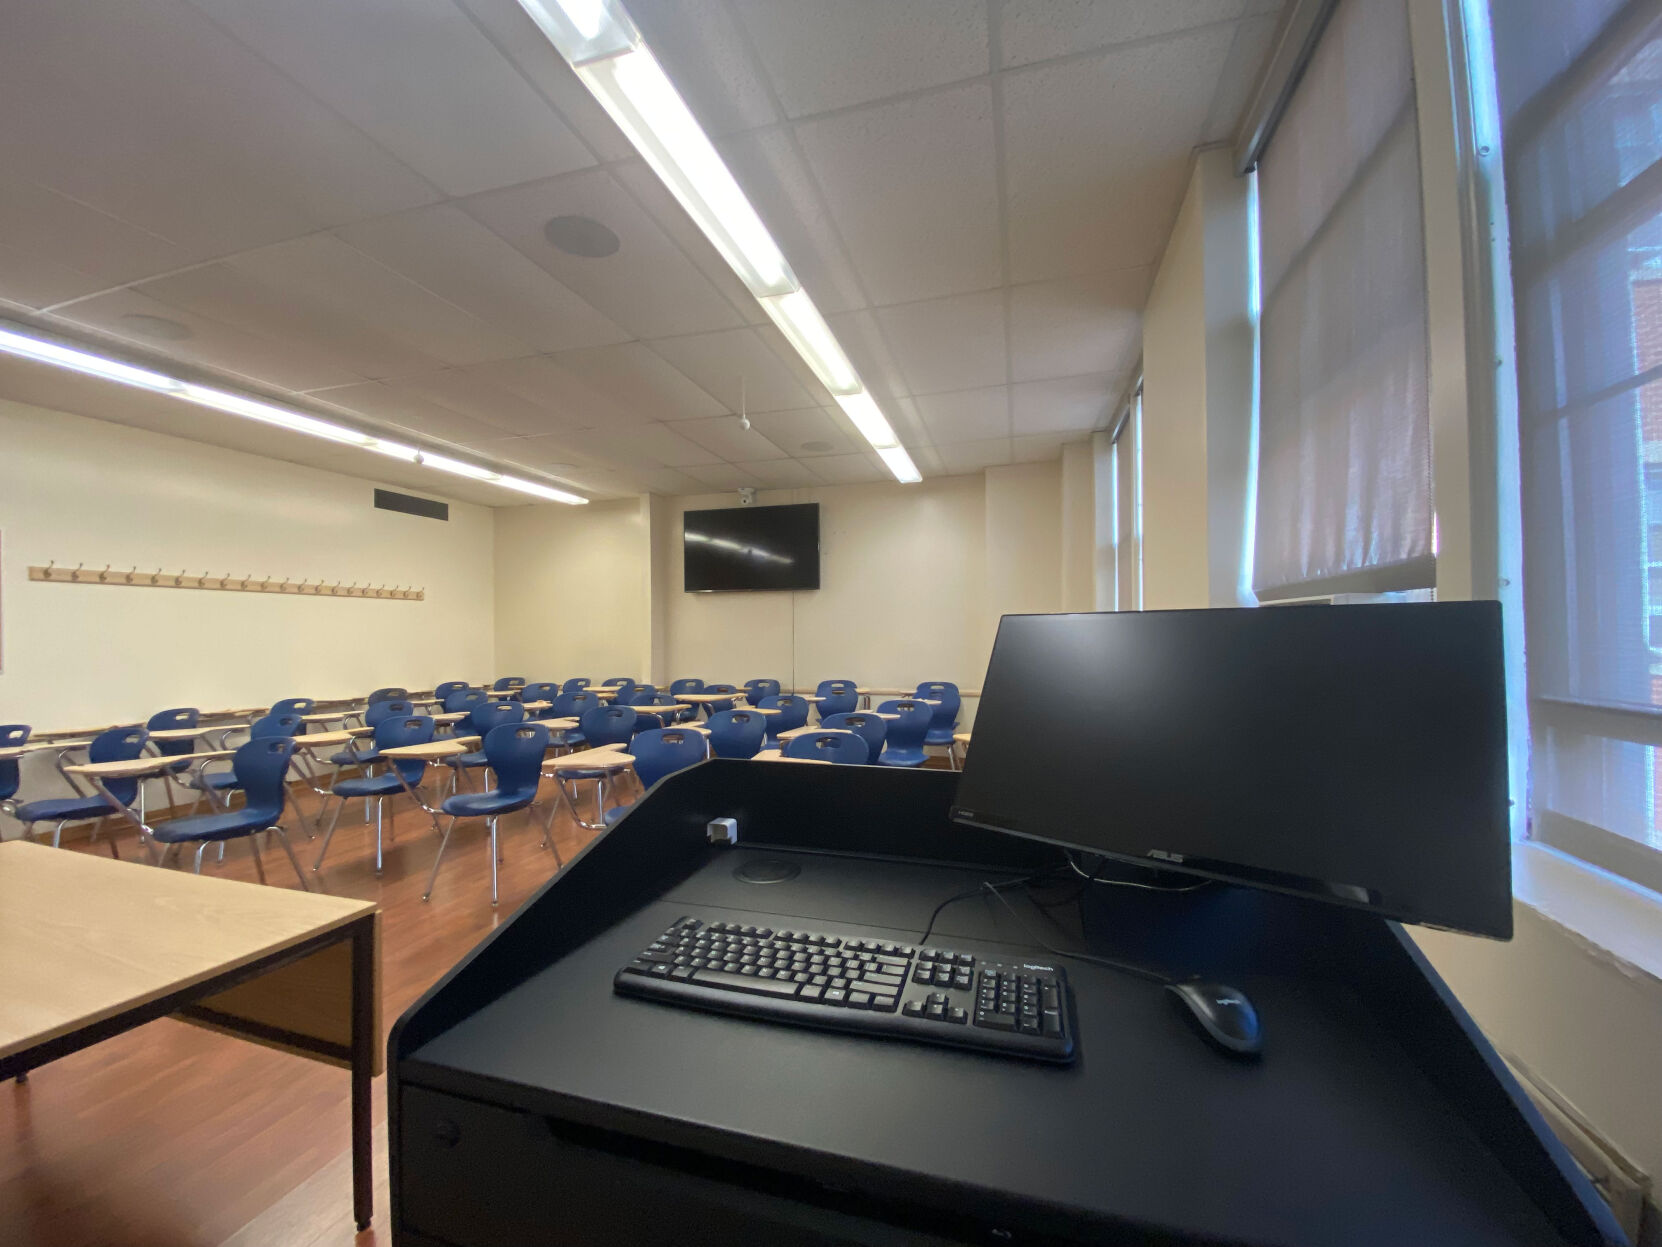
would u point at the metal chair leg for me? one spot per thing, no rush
(200, 849)
(57, 834)
(379, 802)
(491, 822)
(329, 835)
(443, 842)
(254, 848)
(283, 839)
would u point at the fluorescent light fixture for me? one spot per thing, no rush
(394, 450)
(456, 467)
(583, 29)
(638, 95)
(862, 409)
(267, 413)
(45, 352)
(537, 490)
(799, 320)
(900, 463)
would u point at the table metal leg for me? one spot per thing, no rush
(364, 1039)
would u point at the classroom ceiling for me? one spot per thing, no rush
(347, 203)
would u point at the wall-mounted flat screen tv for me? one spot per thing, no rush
(751, 549)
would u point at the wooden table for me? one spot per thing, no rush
(90, 948)
(775, 755)
(179, 733)
(328, 716)
(13, 752)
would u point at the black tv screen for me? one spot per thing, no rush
(753, 549)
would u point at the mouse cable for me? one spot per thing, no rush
(1023, 882)
(1090, 877)
(1124, 967)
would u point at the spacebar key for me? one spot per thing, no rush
(744, 983)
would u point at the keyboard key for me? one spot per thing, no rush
(834, 996)
(883, 1004)
(738, 982)
(935, 1011)
(955, 1014)
(810, 992)
(859, 1000)
(1052, 1021)
(682, 972)
(912, 1008)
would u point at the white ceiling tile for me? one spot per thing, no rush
(56, 249)
(927, 460)
(719, 362)
(723, 476)
(964, 457)
(446, 251)
(703, 53)
(478, 393)
(912, 186)
(966, 416)
(670, 482)
(513, 34)
(153, 114)
(420, 79)
(777, 182)
(830, 55)
(407, 408)
(1064, 405)
(234, 297)
(859, 336)
(1039, 447)
(1247, 54)
(849, 469)
(132, 316)
(648, 285)
(634, 447)
(1083, 195)
(664, 446)
(322, 270)
(599, 483)
(1036, 30)
(807, 433)
(948, 344)
(726, 437)
(540, 385)
(1078, 324)
(632, 378)
(780, 473)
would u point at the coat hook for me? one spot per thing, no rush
(105, 574)
(130, 573)
(179, 580)
(49, 563)
(76, 574)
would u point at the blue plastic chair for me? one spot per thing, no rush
(614, 681)
(720, 690)
(663, 707)
(119, 744)
(376, 713)
(214, 783)
(576, 684)
(625, 690)
(442, 691)
(601, 725)
(542, 690)
(736, 733)
(793, 713)
(465, 699)
(482, 721)
(294, 705)
(391, 732)
(507, 682)
(575, 706)
(262, 764)
(514, 753)
(904, 744)
(386, 694)
(756, 690)
(658, 752)
(826, 745)
(687, 685)
(944, 721)
(11, 736)
(836, 697)
(871, 729)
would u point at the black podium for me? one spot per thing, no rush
(530, 1105)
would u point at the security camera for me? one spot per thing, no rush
(747, 496)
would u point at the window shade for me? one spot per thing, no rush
(1581, 96)
(1344, 467)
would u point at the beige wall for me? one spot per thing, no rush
(573, 590)
(1079, 520)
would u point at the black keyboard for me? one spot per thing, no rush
(933, 995)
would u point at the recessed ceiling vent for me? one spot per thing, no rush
(580, 236)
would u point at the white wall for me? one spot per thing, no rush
(1079, 520)
(85, 491)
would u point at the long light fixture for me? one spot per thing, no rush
(44, 351)
(600, 42)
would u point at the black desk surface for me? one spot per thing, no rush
(1335, 1137)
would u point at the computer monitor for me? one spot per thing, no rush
(1353, 754)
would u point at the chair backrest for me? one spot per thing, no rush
(608, 725)
(870, 728)
(793, 713)
(562, 706)
(829, 746)
(14, 734)
(260, 766)
(8, 778)
(465, 699)
(736, 733)
(646, 688)
(908, 731)
(275, 725)
(714, 689)
(576, 684)
(836, 697)
(11, 735)
(379, 711)
(508, 681)
(945, 692)
(515, 752)
(444, 690)
(386, 694)
(542, 690)
(581, 702)
(690, 684)
(625, 690)
(756, 690)
(170, 720)
(294, 705)
(394, 731)
(615, 680)
(482, 720)
(119, 744)
(661, 751)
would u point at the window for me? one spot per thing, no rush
(1126, 456)
(1581, 97)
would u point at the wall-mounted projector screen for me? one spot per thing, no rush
(754, 549)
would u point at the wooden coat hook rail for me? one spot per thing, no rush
(161, 578)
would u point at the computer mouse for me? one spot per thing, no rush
(1224, 1014)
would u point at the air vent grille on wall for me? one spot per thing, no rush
(409, 504)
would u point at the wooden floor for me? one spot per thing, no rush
(169, 1136)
